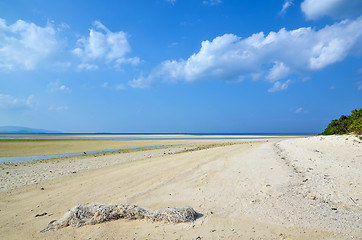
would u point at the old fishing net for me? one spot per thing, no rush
(97, 213)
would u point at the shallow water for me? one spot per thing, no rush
(33, 158)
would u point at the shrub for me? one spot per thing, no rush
(346, 124)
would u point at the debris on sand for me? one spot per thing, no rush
(97, 213)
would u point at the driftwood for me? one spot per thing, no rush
(97, 213)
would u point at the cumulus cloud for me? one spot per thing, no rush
(8, 102)
(286, 5)
(25, 45)
(102, 44)
(274, 56)
(278, 71)
(314, 9)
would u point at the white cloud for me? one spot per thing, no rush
(314, 9)
(57, 86)
(25, 45)
(143, 82)
(112, 47)
(86, 66)
(132, 61)
(274, 56)
(278, 71)
(286, 5)
(9, 102)
(211, 2)
(279, 86)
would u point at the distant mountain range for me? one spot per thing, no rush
(24, 130)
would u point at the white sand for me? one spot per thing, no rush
(18, 175)
(306, 188)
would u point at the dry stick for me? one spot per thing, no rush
(353, 200)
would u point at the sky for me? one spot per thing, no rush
(179, 66)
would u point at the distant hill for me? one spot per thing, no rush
(23, 130)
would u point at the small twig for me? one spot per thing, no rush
(353, 200)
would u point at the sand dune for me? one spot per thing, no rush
(305, 188)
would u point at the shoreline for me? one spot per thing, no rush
(40, 145)
(22, 159)
(297, 188)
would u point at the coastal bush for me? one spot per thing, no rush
(346, 124)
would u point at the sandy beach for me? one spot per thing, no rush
(267, 188)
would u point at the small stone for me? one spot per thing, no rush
(312, 197)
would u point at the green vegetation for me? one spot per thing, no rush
(346, 124)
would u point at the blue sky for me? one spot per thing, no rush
(204, 66)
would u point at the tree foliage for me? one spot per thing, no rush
(346, 124)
